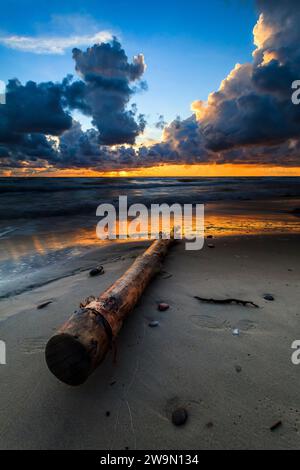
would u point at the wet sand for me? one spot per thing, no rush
(233, 387)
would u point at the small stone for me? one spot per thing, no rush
(238, 369)
(153, 323)
(268, 297)
(97, 271)
(209, 425)
(107, 413)
(210, 245)
(179, 416)
(163, 306)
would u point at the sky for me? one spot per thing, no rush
(137, 103)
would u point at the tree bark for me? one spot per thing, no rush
(81, 344)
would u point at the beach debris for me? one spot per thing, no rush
(97, 271)
(44, 304)
(226, 301)
(238, 369)
(210, 245)
(236, 332)
(153, 323)
(82, 343)
(163, 306)
(268, 297)
(179, 416)
(276, 425)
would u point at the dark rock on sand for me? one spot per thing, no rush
(179, 416)
(97, 271)
(268, 297)
(238, 369)
(163, 306)
(210, 245)
(153, 323)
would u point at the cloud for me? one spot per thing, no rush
(32, 109)
(105, 91)
(52, 44)
(253, 104)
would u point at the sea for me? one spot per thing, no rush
(47, 222)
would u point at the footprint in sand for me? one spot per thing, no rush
(245, 325)
(33, 345)
(206, 321)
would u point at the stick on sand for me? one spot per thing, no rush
(81, 344)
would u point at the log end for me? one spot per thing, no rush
(68, 359)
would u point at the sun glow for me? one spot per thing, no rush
(169, 170)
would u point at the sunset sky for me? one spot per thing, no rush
(160, 89)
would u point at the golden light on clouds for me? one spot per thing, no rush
(261, 32)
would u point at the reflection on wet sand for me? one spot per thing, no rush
(217, 224)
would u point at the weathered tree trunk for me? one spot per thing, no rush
(81, 344)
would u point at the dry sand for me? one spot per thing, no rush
(191, 359)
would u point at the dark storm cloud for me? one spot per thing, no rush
(34, 111)
(253, 105)
(32, 108)
(105, 91)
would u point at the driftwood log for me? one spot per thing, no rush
(81, 344)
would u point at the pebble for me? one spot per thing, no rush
(96, 271)
(163, 306)
(268, 297)
(179, 416)
(210, 245)
(238, 369)
(153, 323)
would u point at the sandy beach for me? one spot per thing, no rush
(234, 387)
